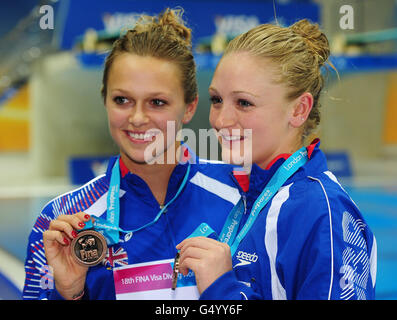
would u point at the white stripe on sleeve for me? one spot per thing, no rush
(216, 187)
(278, 291)
(331, 237)
(373, 262)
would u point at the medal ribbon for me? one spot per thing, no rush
(203, 230)
(109, 227)
(230, 228)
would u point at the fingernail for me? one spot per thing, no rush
(74, 234)
(81, 224)
(87, 217)
(66, 241)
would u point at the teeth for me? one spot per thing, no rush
(231, 138)
(142, 136)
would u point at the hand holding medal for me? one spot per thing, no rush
(208, 258)
(69, 275)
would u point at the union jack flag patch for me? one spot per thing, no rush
(116, 257)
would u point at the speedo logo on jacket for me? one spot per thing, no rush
(245, 258)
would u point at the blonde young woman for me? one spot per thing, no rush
(300, 235)
(151, 197)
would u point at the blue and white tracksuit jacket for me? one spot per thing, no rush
(309, 242)
(208, 197)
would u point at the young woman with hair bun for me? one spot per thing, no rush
(297, 234)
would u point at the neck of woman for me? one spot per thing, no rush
(288, 148)
(156, 175)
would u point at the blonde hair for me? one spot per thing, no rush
(298, 52)
(164, 37)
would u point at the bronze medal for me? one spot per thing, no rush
(89, 248)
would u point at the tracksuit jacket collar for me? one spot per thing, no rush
(260, 177)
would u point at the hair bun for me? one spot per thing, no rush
(314, 38)
(170, 21)
(173, 18)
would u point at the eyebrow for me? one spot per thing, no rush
(236, 92)
(246, 92)
(126, 92)
(213, 89)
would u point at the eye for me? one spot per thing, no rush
(158, 102)
(244, 103)
(215, 99)
(120, 100)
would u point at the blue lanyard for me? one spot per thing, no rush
(109, 227)
(230, 228)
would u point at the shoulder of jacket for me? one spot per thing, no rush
(317, 195)
(215, 169)
(216, 179)
(78, 199)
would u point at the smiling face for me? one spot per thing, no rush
(143, 95)
(245, 96)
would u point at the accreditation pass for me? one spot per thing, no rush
(153, 281)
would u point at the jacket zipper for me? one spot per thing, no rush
(242, 193)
